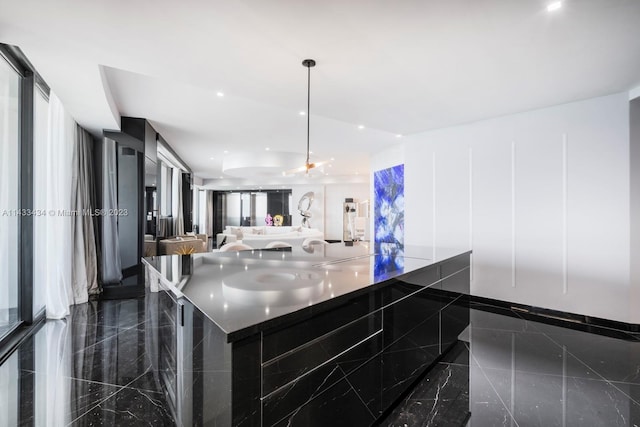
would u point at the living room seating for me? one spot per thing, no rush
(184, 244)
(234, 247)
(277, 244)
(313, 241)
(260, 236)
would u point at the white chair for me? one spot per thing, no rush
(313, 241)
(234, 247)
(277, 244)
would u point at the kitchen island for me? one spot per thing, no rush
(326, 335)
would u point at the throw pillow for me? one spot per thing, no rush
(237, 231)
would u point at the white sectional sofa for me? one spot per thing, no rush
(258, 237)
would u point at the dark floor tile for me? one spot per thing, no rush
(117, 360)
(631, 390)
(599, 403)
(614, 359)
(525, 352)
(520, 372)
(485, 405)
(114, 313)
(129, 407)
(498, 318)
(152, 380)
(68, 398)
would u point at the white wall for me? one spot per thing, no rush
(634, 124)
(326, 209)
(334, 199)
(541, 197)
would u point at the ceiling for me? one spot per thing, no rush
(396, 68)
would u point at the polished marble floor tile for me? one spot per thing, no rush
(128, 407)
(115, 363)
(525, 373)
(80, 396)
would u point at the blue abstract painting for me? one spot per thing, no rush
(389, 220)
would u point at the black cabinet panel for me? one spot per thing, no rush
(246, 378)
(340, 406)
(291, 397)
(407, 314)
(454, 265)
(422, 277)
(421, 317)
(290, 337)
(282, 370)
(457, 283)
(385, 377)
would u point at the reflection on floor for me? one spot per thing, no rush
(100, 367)
(517, 372)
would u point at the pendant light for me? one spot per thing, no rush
(307, 164)
(308, 63)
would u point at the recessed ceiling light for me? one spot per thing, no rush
(226, 151)
(267, 149)
(284, 173)
(211, 158)
(333, 159)
(302, 113)
(330, 166)
(219, 94)
(360, 127)
(220, 177)
(554, 6)
(398, 135)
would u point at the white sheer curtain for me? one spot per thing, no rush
(85, 268)
(178, 218)
(111, 266)
(64, 241)
(53, 242)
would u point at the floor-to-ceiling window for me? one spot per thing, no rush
(23, 120)
(9, 195)
(40, 129)
(250, 208)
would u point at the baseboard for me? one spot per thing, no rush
(595, 325)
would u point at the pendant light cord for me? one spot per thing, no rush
(308, 111)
